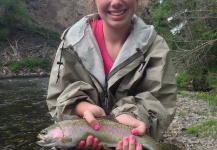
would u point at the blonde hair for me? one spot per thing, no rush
(90, 7)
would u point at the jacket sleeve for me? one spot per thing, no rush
(66, 85)
(154, 101)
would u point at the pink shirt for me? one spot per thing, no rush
(98, 32)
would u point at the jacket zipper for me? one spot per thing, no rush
(125, 63)
(106, 92)
(114, 71)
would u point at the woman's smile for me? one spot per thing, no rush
(117, 13)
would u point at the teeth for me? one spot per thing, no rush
(117, 13)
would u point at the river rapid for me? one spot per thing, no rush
(23, 112)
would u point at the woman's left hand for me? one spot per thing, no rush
(139, 126)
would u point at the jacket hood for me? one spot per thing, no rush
(81, 38)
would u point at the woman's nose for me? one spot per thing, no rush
(116, 3)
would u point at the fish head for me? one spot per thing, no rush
(50, 137)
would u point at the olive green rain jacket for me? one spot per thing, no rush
(141, 82)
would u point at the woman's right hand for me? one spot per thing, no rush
(90, 112)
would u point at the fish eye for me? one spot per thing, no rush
(43, 132)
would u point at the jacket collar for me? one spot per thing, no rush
(79, 36)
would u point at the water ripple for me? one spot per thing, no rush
(23, 112)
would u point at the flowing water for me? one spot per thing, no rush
(23, 112)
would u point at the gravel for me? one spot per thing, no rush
(191, 112)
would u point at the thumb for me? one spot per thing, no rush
(140, 129)
(88, 115)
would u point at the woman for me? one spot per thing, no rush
(112, 63)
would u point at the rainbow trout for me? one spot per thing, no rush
(69, 133)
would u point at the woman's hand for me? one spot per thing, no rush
(129, 143)
(90, 143)
(139, 126)
(90, 112)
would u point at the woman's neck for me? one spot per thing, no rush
(116, 35)
(114, 39)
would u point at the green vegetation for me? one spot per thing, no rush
(17, 17)
(206, 129)
(189, 27)
(15, 22)
(184, 80)
(4, 33)
(193, 39)
(182, 114)
(212, 98)
(29, 64)
(49, 35)
(15, 14)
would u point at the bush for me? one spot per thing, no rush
(15, 14)
(4, 33)
(30, 64)
(194, 40)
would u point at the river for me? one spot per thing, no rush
(23, 112)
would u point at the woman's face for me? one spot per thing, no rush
(116, 13)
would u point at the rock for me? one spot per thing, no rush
(56, 15)
(191, 112)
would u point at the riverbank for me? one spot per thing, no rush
(191, 112)
(5, 73)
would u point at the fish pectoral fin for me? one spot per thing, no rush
(105, 147)
(66, 140)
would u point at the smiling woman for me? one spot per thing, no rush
(116, 13)
(91, 8)
(112, 63)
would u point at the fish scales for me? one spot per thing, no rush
(69, 132)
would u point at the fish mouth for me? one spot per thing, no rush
(44, 141)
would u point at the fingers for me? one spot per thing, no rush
(129, 143)
(139, 129)
(90, 112)
(119, 145)
(139, 126)
(138, 146)
(91, 120)
(90, 143)
(132, 142)
(126, 143)
(81, 145)
(95, 143)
